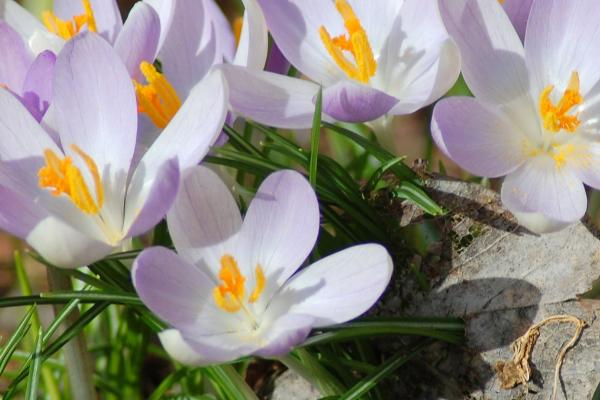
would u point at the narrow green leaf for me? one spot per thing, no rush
(314, 139)
(378, 174)
(232, 384)
(34, 372)
(15, 339)
(410, 191)
(167, 383)
(367, 383)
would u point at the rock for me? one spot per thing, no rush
(291, 386)
(502, 280)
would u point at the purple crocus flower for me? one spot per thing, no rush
(75, 196)
(233, 289)
(26, 76)
(534, 118)
(138, 39)
(518, 12)
(373, 59)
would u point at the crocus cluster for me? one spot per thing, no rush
(104, 123)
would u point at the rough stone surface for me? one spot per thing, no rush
(501, 279)
(290, 386)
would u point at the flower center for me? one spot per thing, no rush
(157, 99)
(237, 26)
(555, 117)
(62, 177)
(230, 295)
(356, 43)
(68, 29)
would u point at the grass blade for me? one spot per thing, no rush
(15, 339)
(34, 372)
(314, 140)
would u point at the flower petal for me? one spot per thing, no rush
(489, 47)
(15, 57)
(419, 62)
(217, 21)
(295, 26)
(254, 39)
(37, 88)
(280, 227)
(101, 119)
(64, 246)
(19, 215)
(337, 288)
(352, 102)
(205, 350)
(538, 186)
(203, 218)
(276, 62)
(145, 209)
(194, 128)
(138, 40)
(518, 12)
(284, 333)
(19, 18)
(188, 52)
(106, 13)
(539, 223)
(476, 137)
(378, 19)
(271, 99)
(164, 9)
(562, 37)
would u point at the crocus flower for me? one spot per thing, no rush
(26, 76)
(138, 39)
(373, 60)
(233, 289)
(534, 118)
(76, 198)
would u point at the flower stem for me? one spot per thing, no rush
(77, 358)
(312, 371)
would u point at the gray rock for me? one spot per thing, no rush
(291, 386)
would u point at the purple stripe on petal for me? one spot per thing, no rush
(37, 89)
(157, 201)
(138, 40)
(351, 102)
(15, 57)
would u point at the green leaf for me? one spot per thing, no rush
(15, 339)
(378, 174)
(410, 191)
(314, 139)
(34, 372)
(386, 369)
(232, 384)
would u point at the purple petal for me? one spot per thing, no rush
(99, 118)
(64, 246)
(148, 208)
(37, 88)
(15, 57)
(295, 24)
(215, 19)
(19, 214)
(271, 99)
(19, 18)
(489, 47)
(106, 13)
(337, 288)
(539, 186)
(204, 217)
(352, 102)
(518, 12)
(164, 9)
(254, 38)
(138, 40)
(188, 52)
(285, 333)
(563, 37)
(280, 227)
(476, 137)
(194, 128)
(277, 63)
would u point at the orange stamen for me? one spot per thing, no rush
(68, 29)
(555, 118)
(230, 294)
(158, 99)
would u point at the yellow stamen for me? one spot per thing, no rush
(501, 2)
(68, 29)
(357, 43)
(555, 118)
(260, 285)
(61, 176)
(158, 99)
(237, 26)
(230, 294)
